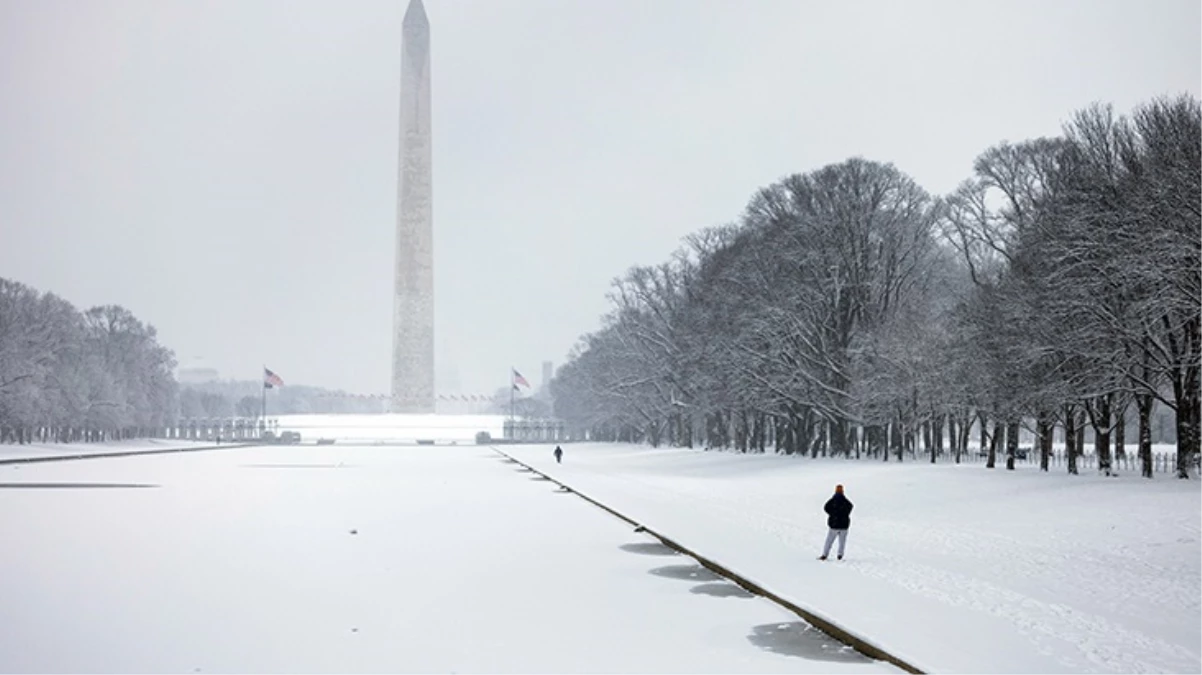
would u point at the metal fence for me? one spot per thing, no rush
(1162, 462)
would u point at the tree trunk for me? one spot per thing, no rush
(981, 419)
(1185, 430)
(654, 433)
(1189, 416)
(1100, 412)
(1196, 420)
(965, 433)
(895, 438)
(1099, 417)
(1070, 437)
(1011, 444)
(1044, 428)
(809, 433)
(1120, 430)
(951, 437)
(1143, 405)
(938, 433)
(998, 430)
(839, 437)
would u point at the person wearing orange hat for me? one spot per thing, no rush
(838, 519)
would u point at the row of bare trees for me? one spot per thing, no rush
(67, 375)
(850, 312)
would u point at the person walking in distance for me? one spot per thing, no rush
(558, 455)
(838, 519)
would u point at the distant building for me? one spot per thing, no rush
(196, 371)
(197, 375)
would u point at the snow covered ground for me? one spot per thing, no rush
(952, 568)
(15, 451)
(356, 559)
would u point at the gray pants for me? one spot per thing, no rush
(830, 539)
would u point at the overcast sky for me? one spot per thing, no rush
(226, 169)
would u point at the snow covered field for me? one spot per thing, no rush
(30, 450)
(952, 568)
(355, 559)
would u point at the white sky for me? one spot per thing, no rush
(227, 168)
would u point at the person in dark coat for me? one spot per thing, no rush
(558, 454)
(838, 519)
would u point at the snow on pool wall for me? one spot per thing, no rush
(393, 428)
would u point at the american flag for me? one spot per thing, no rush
(518, 379)
(270, 379)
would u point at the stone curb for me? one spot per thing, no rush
(123, 453)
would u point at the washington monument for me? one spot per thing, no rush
(413, 303)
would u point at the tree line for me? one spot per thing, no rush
(67, 375)
(850, 312)
(101, 374)
(243, 398)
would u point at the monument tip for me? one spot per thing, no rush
(415, 14)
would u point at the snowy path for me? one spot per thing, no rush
(352, 559)
(53, 451)
(950, 568)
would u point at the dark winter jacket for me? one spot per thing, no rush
(838, 509)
